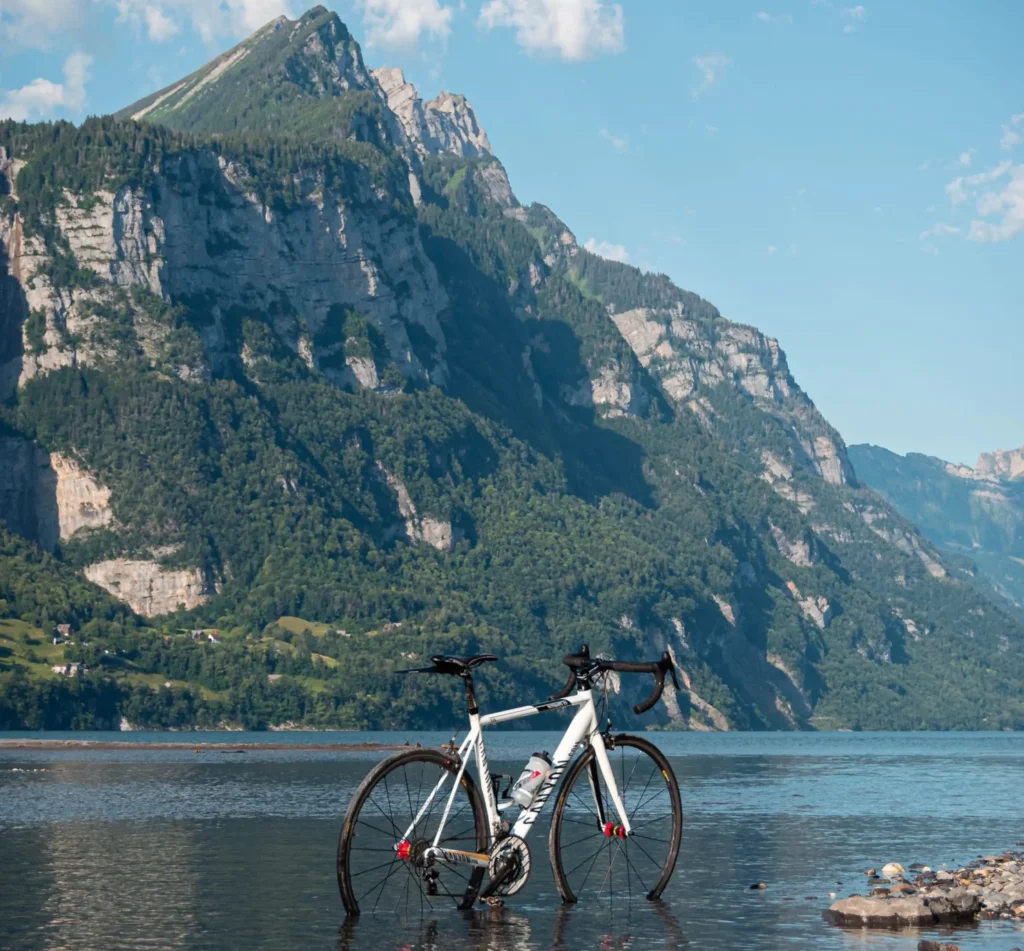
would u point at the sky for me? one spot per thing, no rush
(847, 178)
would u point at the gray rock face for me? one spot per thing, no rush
(208, 240)
(147, 587)
(435, 532)
(688, 356)
(1003, 465)
(446, 124)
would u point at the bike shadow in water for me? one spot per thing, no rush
(572, 927)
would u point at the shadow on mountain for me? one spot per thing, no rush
(13, 312)
(28, 484)
(489, 355)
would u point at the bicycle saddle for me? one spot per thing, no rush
(450, 664)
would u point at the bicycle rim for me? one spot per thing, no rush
(373, 874)
(591, 864)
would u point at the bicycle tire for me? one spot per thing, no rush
(390, 820)
(656, 789)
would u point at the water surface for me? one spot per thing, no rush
(173, 849)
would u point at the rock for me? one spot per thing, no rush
(893, 868)
(924, 945)
(147, 587)
(893, 911)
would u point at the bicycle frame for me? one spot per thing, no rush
(582, 728)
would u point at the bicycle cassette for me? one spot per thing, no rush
(509, 867)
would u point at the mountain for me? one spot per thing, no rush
(283, 357)
(976, 513)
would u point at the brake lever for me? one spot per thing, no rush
(670, 667)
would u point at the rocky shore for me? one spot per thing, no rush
(990, 887)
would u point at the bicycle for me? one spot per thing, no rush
(395, 847)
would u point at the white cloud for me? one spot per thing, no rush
(957, 189)
(571, 29)
(159, 26)
(1006, 205)
(855, 15)
(605, 249)
(35, 23)
(940, 228)
(399, 24)
(965, 157)
(772, 249)
(41, 98)
(1011, 136)
(780, 19)
(619, 142)
(711, 66)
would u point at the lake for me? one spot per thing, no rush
(103, 850)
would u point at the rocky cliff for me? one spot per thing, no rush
(279, 340)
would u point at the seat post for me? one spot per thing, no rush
(473, 709)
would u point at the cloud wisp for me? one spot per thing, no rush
(618, 142)
(605, 249)
(572, 30)
(41, 98)
(1013, 132)
(712, 66)
(853, 16)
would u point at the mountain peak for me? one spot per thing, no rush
(265, 82)
(446, 124)
(1003, 465)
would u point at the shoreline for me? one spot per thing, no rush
(198, 747)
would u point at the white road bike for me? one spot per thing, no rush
(421, 831)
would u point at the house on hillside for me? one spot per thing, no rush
(69, 670)
(64, 630)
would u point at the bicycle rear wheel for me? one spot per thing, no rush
(380, 869)
(589, 858)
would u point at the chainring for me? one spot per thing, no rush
(510, 849)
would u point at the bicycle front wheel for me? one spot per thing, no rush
(382, 866)
(589, 857)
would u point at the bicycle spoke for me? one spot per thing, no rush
(634, 868)
(646, 785)
(648, 854)
(581, 864)
(589, 870)
(366, 871)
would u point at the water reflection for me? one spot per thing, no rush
(504, 929)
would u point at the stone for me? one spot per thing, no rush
(893, 868)
(925, 945)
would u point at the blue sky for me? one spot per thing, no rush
(846, 177)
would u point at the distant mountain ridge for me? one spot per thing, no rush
(978, 513)
(282, 353)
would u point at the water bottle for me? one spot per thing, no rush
(536, 771)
